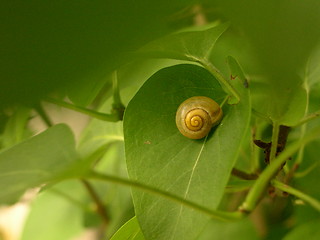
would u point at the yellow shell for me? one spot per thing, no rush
(197, 115)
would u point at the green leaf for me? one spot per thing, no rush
(130, 231)
(191, 45)
(309, 230)
(118, 200)
(59, 215)
(159, 156)
(38, 160)
(99, 133)
(285, 103)
(236, 72)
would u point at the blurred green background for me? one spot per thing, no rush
(70, 45)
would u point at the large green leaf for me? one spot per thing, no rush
(159, 156)
(40, 159)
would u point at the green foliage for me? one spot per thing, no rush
(186, 163)
(258, 60)
(47, 157)
(61, 207)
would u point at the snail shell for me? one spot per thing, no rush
(197, 115)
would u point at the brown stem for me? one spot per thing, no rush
(100, 206)
(243, 175)
(290, 174)
(282, 140)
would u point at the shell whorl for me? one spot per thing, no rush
(197, 115)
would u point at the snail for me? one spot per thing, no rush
(197, 115)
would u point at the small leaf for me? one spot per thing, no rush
(190, 46)
(38, 160)
(236, 72)
(130, 231)
(159, 156)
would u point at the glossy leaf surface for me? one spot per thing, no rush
(158, 155)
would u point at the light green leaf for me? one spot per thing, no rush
(158, 155)
(129, 231)
(59, 212)
(309, 230)
(191, 45)
(38, 160)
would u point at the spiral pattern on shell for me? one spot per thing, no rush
(197, 115)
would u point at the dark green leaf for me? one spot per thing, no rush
(158, 155)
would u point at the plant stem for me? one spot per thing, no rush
(117, 106)
(306, 171)
(299, 158)
(283, 187)
(257, 130)
(102, 116)
(116, 93)
(274, 141)
(262, 182)
(262, 116)
(42, 113)
(69, 198)
(221, 215)
(308, 118)
(224, 101)
(243, 175)
(229, 88)
(100, 207)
